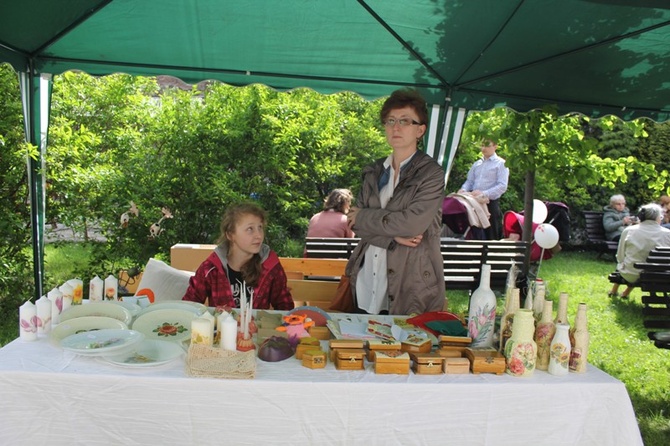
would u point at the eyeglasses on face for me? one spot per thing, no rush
(403, 122)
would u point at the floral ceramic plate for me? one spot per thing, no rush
(194, 307)
(106, 309)
(165, 325)
(101, 342)
(148, 353)
(83, 324)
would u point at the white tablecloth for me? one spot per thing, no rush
(52, 397)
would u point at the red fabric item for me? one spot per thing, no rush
(513, 224)
(421, 319)
(211, 281)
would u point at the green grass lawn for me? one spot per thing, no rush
(619, 343)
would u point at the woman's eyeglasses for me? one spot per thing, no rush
(403, 122)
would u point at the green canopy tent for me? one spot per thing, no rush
(594, 57)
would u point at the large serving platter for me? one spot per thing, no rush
(194, 307)
(165, 324)
(101, 342)
(106, 309)
(83, 324)
(148, 353)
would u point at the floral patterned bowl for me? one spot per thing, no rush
(166, 325)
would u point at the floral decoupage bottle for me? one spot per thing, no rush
(482, 314)
(559, 356)
(521, 349)
(579, 337)
(544, 333)
(507, 319)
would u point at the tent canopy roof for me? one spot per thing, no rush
(596, 57)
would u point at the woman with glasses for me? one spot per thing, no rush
(616, 217)
(397, 266)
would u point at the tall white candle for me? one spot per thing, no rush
(229, 334)
(27, 321)
(219, 321)
(43, 308)
(56, 299)
(67, 291)
(77, 290)
(202, 331)
(95, 289)
(111, 288)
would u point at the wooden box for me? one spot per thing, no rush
(427, 363)
(456, 341)
(314, 359)
(451, 351)
(338, 344)
(485, 360)
(321, 333)
(392, 362)
(380, 345)
(456, 365)
(307, 343)
(349, 359)
(416, 344)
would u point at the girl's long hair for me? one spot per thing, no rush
(251, 270)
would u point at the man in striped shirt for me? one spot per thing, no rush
(487, 180)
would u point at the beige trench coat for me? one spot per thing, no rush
(415, 275)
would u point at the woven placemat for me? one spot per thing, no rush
(210, 362)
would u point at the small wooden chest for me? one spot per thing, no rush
(321, 333)
(456, 366)
(349, 359)
(416, 344)
(380, 345)
(392, 362)
(337, 344)
(307, 343)
(314, 359)
(485, 361)
(427, 363)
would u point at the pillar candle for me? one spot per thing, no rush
(219, 321)
(67, 291)
(27, 321)
(202, 331)
(77, 290)
(43, 308)
(111, 288)
(56, 298)
(229, 334)
(95, 289)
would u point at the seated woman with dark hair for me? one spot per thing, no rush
(635, 244)
(332, 221)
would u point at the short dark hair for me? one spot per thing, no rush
(338, 200)
(405, 97)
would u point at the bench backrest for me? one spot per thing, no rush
(462, 258)
(595, 231)
(655, 284)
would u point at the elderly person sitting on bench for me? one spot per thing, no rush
(635, 244)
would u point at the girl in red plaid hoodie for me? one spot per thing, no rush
(241, 259)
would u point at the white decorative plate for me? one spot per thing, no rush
(107, 309)
(101, 342)
(165, 325)
(148, 353)
(194, 307)
(83, 324)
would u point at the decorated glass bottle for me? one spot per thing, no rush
(521, 349)
(482, 314)
(562, 312)
(507, 319)
(559, 356)
(538, 298)
(579, 338)
(544, 333)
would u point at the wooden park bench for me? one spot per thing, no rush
(595, 232)
(462, 258)
(655, 285)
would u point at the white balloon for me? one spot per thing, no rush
(546, 236)
(539, 212)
